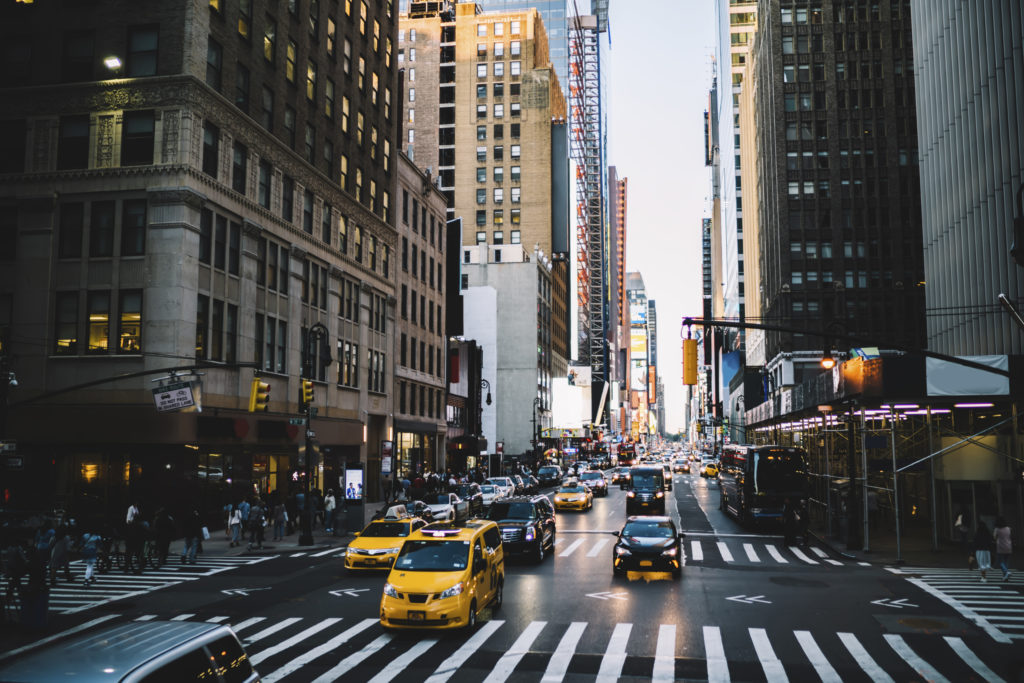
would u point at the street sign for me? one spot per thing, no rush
(296, 420)
(173, 396)
(8, 446)
(350, 592)
(749, 600)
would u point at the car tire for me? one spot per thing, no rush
(499, 595)
(538, 555)
(618, 573)
(471, 618)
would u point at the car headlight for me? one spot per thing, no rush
(659, 494)
(453, 591)
(671, 552)
(391, 550)
(631, 494)
(621, 552)
(390, 591)
(530, 535)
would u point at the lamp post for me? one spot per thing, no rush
(316, 334)
(536, 433)
(484, 384)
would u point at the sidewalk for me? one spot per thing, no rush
(219, 544)
(914, 550)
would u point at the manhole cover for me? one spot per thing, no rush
(798, 583)
(924, 623)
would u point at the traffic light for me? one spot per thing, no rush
(689, 361)
(259, 396)
(307, 392)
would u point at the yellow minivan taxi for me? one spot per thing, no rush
(444, 575)
(377, 546)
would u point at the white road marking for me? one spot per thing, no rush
(615, 654)
(558, 540)
(294, 640)
(508, 662)
(459, 657)
(324, 552)
(696, 551)
(270, 630)
(559, 662)
(863, 659)
(776, 555)
(345, 665)
(773, 670)
(724, 549)
(146, 617)
(714, 653)
(216, 620)
(598, 544)
(799, 553)
(665, 655)
(399, 663)
(817, 658)
(910, 657)
(182, 617)
(297, 554)
(819, 552)
(751, 554)
(572, 548)
(864, 564)
(246, 624)
(972, 660)
(963, 609)
(835, 562)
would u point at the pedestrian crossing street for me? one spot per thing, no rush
(996, 606)
(322, 650)
(716, 551)
(71, 597)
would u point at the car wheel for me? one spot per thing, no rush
(471, 618)
(499, 595)
(538, 555)
(619, 573)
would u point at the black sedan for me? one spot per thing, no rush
(648, 544)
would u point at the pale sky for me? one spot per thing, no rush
(659, 75)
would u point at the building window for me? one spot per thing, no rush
(265, 184)
(137, 138)
(515, 173)
(499, 195)
(133, 227)
(310, 143)
(499, 69)
(499, 153)
(481, 195)
(214, 63)
(129, 322)
(499, 111)
(481, 70)
(73, 147)
(516, 194)
(481, 113)
(77, 63)
(515, 237)
(289, 125)
(499, 174)
(289, 61)
(498, 218)
(311, 81)
(69, 243)
(515, 67)
(65, 323)
(267, 113)
(101, 230)
(515, 216)
(348, 364)
(515, 151)
(269, 40)
(142, 51)
(98, 322)
(287, 198)
(239, 167)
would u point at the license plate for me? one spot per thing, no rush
(646, 563)
(416, 616)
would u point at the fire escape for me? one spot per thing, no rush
(586, 153)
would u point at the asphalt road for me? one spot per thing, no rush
(747, 608)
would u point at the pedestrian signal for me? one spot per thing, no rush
(259, 396)
(689, 361)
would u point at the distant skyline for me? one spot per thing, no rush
(659, 75)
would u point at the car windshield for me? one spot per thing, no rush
(464, 490)
(390, 529)
(646, 480)
(488, 488)
(500, 511)
(649, 530)
(571, 489)
(547, 470)
(592, 475)
(433, 556)
(500, 482)
(436, 499)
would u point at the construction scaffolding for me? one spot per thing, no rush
(587, 154)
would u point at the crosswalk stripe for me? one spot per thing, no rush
(459, 657)
(399, 663)
(910, 657)
(799, 553)
(297, 638)
(146, 617)
(216, 620)
(246, 624)
(834, 562)
(714, 653)
(558, 540)
(350, 662)
(572, 548)
(270, 630)
(863, 659)
(864, 564)
(324, 552)
(773, 670)
(334, 674)
(696, 551)
(817, 658)
(724, 550)
(508, 662)
(776, 555)
(559, 662)
(751, 554)
(615, 654)
(598, 544)
(182, 617)
(972, 660)
(665, 655)
(819, 552)
(297, 554)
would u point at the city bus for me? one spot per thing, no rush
(627, 455)
(755, 481)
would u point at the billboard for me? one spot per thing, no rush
(638, 374)
(652, 385)
(638, 342)
(638, 313)
(579, 375)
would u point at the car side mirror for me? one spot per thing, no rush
(355, 533)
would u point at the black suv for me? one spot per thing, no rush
(645, 490)
(550, 475)
(527, 525)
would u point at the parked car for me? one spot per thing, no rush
(472, 494)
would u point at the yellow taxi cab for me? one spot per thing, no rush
(709, 469)
(444, 575)
(378, 544)
(574, 496)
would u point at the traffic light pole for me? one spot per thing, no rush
(316, 334)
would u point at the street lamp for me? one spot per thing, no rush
(536, 432)
(316, 334)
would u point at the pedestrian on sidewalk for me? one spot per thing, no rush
(329, 505)
(193, 533)
(235, 525)
(257, 520)
(60, 556)
(280, 517)
(963, 527)
(1003, 546)
(90, 550)
(983, 549)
